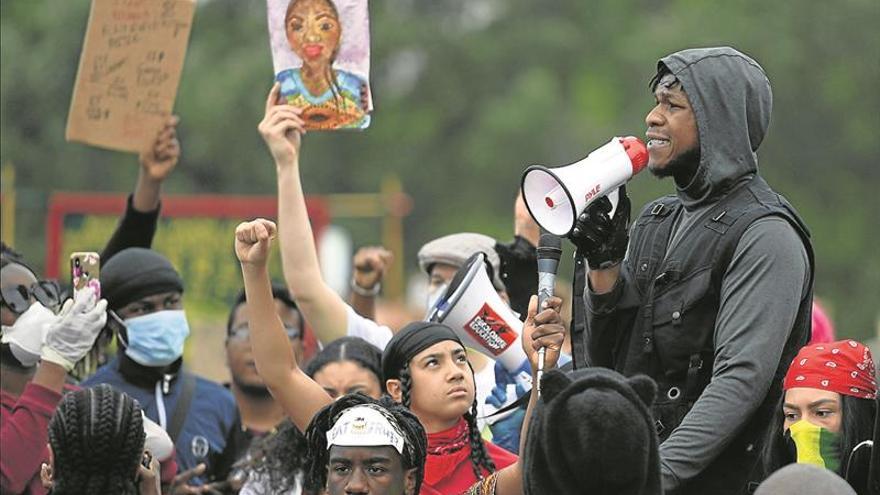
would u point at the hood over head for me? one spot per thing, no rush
(732, 100)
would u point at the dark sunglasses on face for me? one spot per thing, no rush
(18, 297)
(244, 333)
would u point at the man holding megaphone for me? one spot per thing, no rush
(710, 291)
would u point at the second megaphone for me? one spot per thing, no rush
(478, 315)
(555, 197)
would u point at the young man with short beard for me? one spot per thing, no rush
(710, 291)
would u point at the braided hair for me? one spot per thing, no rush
(479, 455)
(97, 438)
(278, 458)
(415, 440)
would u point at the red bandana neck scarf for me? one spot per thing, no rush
(446, 450)
(845, 367)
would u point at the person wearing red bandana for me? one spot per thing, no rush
(828, 411)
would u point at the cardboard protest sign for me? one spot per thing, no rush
(129, 70)
(321, 57)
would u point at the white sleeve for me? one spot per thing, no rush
(367, 329)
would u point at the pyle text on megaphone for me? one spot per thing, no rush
(555, 197)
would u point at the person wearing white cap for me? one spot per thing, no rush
(364, 445)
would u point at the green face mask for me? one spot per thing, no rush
(814, 445)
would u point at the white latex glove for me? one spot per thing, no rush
(25, 337)
(71, 337)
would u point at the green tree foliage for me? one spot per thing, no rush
(470, 92)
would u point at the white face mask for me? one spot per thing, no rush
(433, 296)
(25, 337)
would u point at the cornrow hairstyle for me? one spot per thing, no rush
(480, 458)
(415, 448)
(354, 349)
(97, 438)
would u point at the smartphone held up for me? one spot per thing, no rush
(84, 272)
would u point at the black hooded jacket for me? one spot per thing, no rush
(714, 295)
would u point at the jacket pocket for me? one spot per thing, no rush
(683, 318)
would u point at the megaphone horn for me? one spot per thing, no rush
(555, 197)
(482, 320)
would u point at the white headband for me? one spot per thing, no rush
(364, 426)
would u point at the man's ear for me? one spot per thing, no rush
(392, 385)
(409, 481)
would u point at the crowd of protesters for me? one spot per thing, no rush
(688, 365)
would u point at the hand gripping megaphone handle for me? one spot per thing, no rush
(549, 252)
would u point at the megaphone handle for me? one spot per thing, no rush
(614, 197)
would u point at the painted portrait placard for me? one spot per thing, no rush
(321, 57)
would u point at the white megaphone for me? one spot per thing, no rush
(482, 320)
(555, 197)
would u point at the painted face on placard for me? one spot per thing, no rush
(313, 30)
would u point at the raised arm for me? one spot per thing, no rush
(138, 225)
(370, 265)
(323, 309)
(69, 337)
(299, 395)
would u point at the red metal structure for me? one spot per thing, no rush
(217, 206)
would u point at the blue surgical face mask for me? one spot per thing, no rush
(157, 339)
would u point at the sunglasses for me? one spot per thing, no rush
(18, 297)
(244, 333)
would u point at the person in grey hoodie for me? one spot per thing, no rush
(709, 292)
